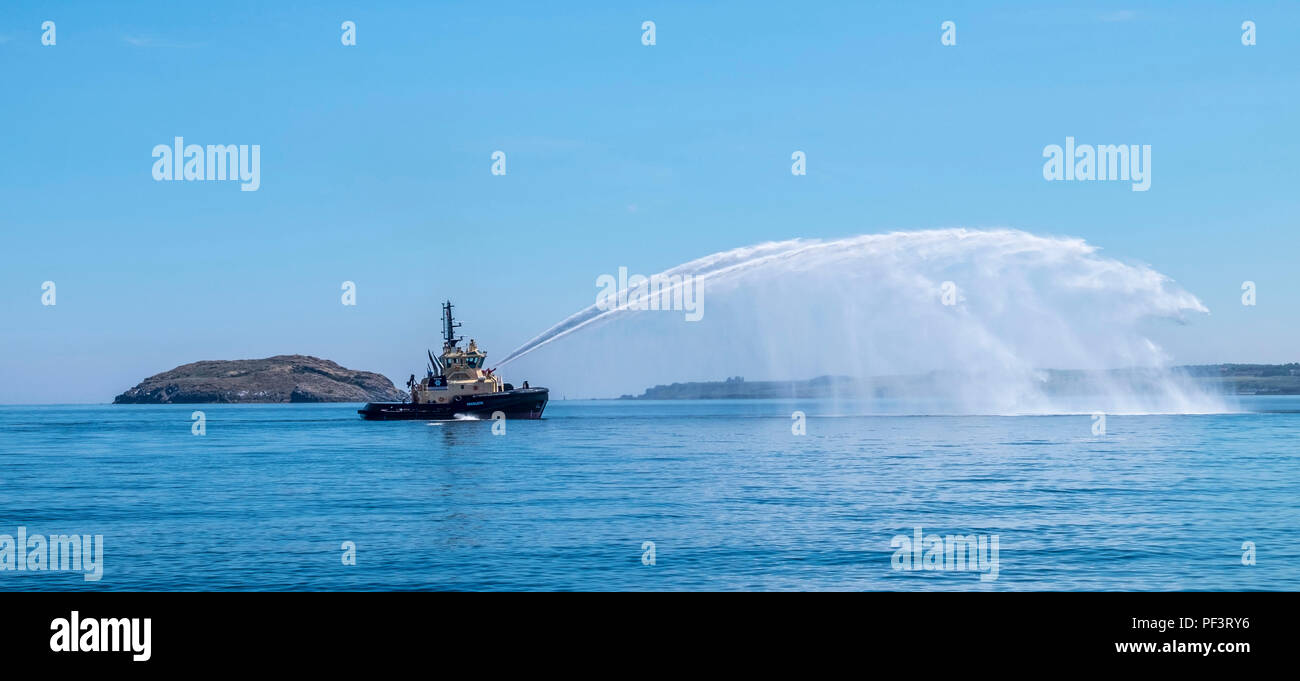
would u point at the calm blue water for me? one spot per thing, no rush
(731, 499)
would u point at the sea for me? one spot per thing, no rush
(710, 495)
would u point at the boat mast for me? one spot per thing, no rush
(449, 325)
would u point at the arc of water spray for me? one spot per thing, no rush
(726, 265)
(703, 269)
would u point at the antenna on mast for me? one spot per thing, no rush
(449, 325)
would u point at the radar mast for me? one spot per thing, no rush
(449, 326)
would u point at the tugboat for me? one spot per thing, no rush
(460, 388)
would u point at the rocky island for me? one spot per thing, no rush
(283, 378)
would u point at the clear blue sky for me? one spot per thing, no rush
(375, 159)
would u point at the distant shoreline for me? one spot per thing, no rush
(1226, 379)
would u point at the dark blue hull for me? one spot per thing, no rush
(521, 403)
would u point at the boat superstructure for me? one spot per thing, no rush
(457, 384)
